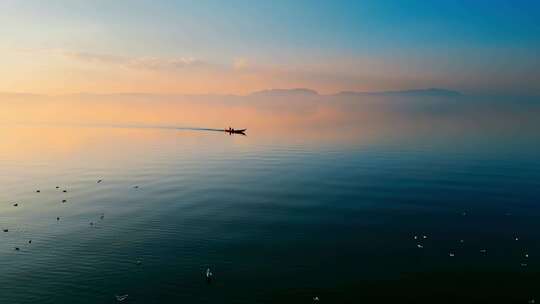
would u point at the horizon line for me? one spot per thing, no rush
(268, 90)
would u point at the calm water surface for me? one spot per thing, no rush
(280, 217)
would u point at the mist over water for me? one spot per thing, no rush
(323, 197)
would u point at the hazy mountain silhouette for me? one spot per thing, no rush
(416, 92)
(297, 92)
(285, 92)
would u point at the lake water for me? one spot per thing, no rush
(320, 199)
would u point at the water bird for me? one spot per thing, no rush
(64, 191)
(63, 201)
(57, 187)
(29, 241)
(416, 237)
(38, 191)
(17, 249)
(5, 230)
(91, 223)
(139, 262)
(462, 241)
(483, 251)
(15, 205)
(209, 275)
(419, 246)
(136, 187)
(102, 216)
(526, 255)
(315, 299)
(451, 254)
(424, 237)
(99, 181)
(121, 297)
(57, 218)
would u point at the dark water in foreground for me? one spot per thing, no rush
(277, 219)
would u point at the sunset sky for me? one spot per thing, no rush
(236, 47)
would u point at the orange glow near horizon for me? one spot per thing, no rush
(29, 126)
(37, 127)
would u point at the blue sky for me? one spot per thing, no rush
(465, 45)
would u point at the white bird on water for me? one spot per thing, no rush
(209, 275)
(121, 298)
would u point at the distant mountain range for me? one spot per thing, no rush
(416, 92)
(310, 92)
(286, 92)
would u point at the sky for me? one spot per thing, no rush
(237, 47)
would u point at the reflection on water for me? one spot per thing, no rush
(323, 198)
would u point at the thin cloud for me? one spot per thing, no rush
(240, 63)
(96, 58)
(146, 63)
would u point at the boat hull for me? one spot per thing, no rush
(241, 131)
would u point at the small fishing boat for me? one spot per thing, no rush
(235, 131)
